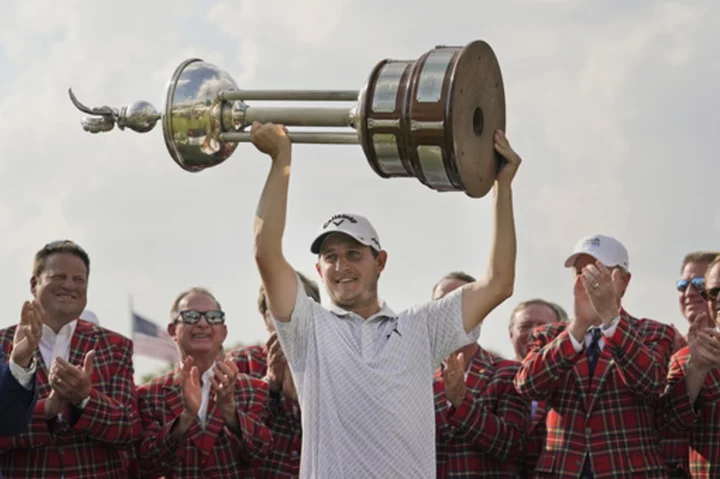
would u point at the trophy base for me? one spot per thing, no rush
(476, 110)
(435, 118)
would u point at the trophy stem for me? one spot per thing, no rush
(289, 95)
(334, 138)
(338, 117)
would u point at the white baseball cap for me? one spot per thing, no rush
(356, 226)
(88, 315)
(605, 249)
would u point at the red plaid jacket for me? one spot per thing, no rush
(485, 436)
(93, 442)
(283, 461)
(535, 440)
(216, 451)
(675, 446)
(615, 418)
(699, 423)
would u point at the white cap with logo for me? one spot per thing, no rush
(605, 249)
(88, 315)
(355, 226)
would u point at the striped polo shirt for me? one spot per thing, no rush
(365, 385)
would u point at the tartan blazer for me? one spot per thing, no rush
(614, 419)
(485, 436)
(88, 443)
(212, 452)
(283, 459)
(535, 440)
(699, 424)
(674, 445)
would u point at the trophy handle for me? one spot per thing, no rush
(139, 116)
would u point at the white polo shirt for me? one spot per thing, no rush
(365, 386)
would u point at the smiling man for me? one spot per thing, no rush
(363, 372)
(85, 419)
(202, 408)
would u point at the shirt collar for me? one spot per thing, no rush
(66, 331)
(385, 311)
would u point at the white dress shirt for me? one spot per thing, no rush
(607, 333)
(57, 345)
(22, 375)
(206, 383)
(53, 345)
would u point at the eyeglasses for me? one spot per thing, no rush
(711, 294)
(697, 283)
(192, 316)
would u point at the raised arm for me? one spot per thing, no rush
(481, 297)
(278, 277)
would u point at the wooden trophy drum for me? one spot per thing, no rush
(435, 118)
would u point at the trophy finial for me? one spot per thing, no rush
(139, 116)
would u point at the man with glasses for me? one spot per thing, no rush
(601, 375)
(692, 283)
(690, 288)
(202, 419)
(692, 400)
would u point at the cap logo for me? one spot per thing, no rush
(374, 240)
(592, 242)
(337, 220)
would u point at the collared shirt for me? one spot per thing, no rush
(57, 345)
(205, 386)
(206, 383)
(607, 333)
(53, 345)
(364, 385)
(23, 376)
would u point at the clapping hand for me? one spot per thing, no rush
(454, 376)
(28, 333)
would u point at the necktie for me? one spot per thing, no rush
(593, 352)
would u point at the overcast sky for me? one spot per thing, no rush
(612, 105)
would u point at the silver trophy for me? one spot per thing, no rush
(432, 118)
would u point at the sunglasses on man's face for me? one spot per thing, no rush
(697, 283)
(711, 294)
(192, 316)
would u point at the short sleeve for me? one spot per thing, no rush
(294, 334)
(444, 321)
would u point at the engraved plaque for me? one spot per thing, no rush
(426, 125)
(431, 163)
(433, 75)
(382, 123)
(386, 87)
(387, 153)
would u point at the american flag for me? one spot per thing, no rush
(153, 341)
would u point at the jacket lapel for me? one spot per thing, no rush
(173, 396)
(582, 377)
(604, 367)
(82, 342)
(711, 387)
(42, 375)
(480, 372)
(215, 425)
